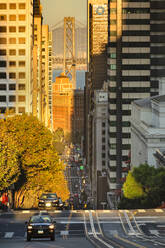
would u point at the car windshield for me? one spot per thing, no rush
(46, 196)
(40, 219)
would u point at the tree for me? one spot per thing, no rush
(9, 166)
(38, 162)
(59, 135)
(131, 188)
(144, 187)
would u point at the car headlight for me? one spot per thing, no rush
(29, 227)
(51, 226)
(41, 201)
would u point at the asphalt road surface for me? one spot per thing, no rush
(89, 228)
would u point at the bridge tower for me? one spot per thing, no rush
(69, 66)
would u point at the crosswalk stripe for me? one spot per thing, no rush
(9, 235)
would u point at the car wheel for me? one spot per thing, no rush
(28, 238)
(52, 238)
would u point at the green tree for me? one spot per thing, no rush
(144, 187)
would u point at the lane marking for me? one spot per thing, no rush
(155, 232)
(159, 210)
(129, 242)
(8, 235)
(141, 211)
(160, 225)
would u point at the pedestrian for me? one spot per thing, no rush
(5, 201)
(0, 201)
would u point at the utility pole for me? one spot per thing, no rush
(69, 66)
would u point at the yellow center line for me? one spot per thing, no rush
(129, 242)
(67, 226)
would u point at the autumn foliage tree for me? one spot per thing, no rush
(9, 166)
(37, 164)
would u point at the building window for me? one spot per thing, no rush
(12, 75)
(12, 110)
(113, 67)
(103, 155)
(22, 29)
(3, 40)
(103, 132)
(103, 124)
(2, 98)
(3, 17)
(21, 75)
(12, 17)
(2, 86)
(2, 29)
(12, 98)
(2, 75)
(113, 146)
(113, 55)
(2, 63)
(21, 40)
(21, 86)
(21, 52)
(12, 52)
(21, 98)
(22, 6)
(12, 63)
(22, 17)
(12, 29)
(21, 110)
(35, 37)
(22, 63)
(12, 86)
(12, 40)
(103, 163)
(3, 6)
(2, 110)
(12, 6)
(103, 147)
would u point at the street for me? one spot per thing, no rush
(77, 228)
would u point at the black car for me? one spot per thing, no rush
(60, 204)
(66, 205)
(40, 226)
(48, 201)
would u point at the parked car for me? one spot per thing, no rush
(60, 204)
(40, 226)
(66, 205)
(48, 201)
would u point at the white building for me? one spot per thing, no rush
(99, 140)
(147, 130)
(16, 43)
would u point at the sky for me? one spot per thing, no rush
(55, 10)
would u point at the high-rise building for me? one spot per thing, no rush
(136, 66)
(50, 80)
(46, 75)
(16, 46)
(62, 105)
(97, 66)
(99, 146)
(68, 108)
(38, 90)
